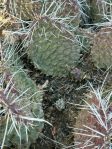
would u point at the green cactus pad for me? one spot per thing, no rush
(101, 51)
(52, 52)
(28, 98)
(23, 9)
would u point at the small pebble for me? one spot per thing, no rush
(60, 104)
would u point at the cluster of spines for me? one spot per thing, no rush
(93, 125)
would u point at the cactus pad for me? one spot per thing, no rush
(52, 52)
(21, 99)
(101, 51)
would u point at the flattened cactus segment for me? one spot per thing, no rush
(52, 51)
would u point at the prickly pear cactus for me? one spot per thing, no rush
(90, 9)
(31, 9)
(34, 110)
(24, 9)
(90, 122)
(20, 104)
(101, 50)
(95, 12)
(53, 53)
(30, 108)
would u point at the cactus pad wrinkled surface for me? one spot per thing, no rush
(53, 53)
(23, 9)
(101, 50)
